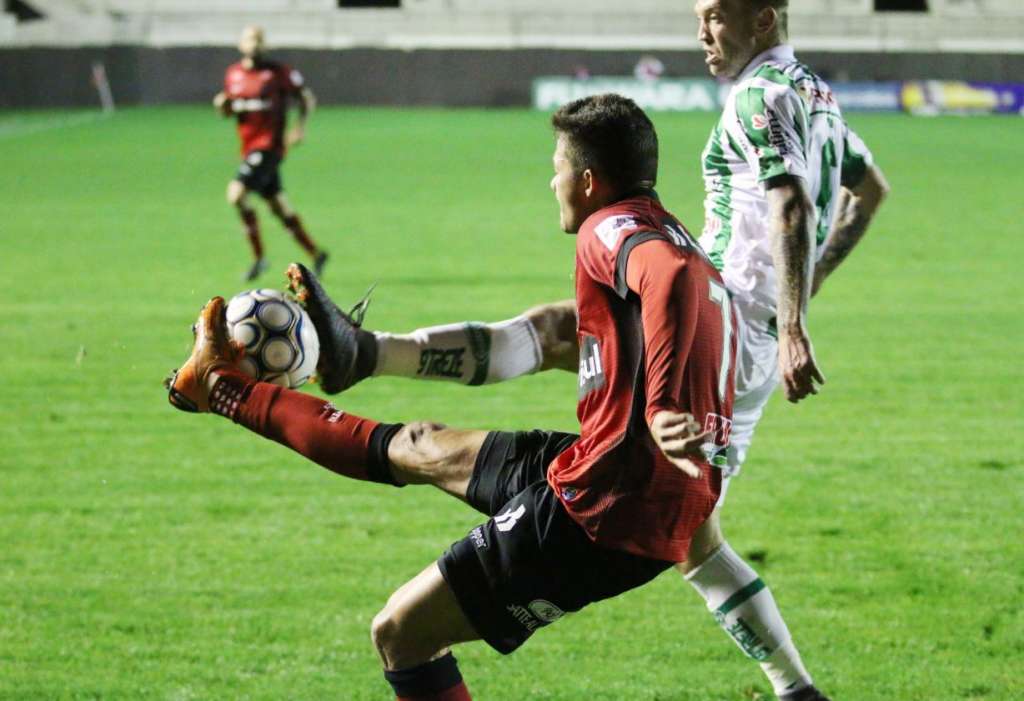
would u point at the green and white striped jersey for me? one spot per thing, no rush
(779, 118)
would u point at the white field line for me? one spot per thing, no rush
(15, 127)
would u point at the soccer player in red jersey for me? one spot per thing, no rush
(574, 519)
(258, 92)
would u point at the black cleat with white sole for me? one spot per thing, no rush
(808, 693)
(348, 352)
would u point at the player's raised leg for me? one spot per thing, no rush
(283, 210)
(237, 197)
(412, 635)
(471, 353)
(349, 445)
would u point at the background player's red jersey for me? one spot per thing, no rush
(259, 98)
(670, 348)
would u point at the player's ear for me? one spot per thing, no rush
(589, 182)
(766, 21)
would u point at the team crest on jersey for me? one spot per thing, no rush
(611, 229)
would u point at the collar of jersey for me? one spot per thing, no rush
(783, 53)
(638, 192)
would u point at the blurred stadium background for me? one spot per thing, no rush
(488, 52)
(146, 554)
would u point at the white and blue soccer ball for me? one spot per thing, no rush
(281, 345)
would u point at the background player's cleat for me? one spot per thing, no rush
(213, 350)
(319, 262)
(348, 353)
(255, 271)
(808, 693)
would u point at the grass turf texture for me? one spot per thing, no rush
(146, 553)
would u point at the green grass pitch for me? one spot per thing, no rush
(149, 554)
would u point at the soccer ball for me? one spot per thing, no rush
(281, 345)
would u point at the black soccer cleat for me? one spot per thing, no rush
(808, 693)
(348, 352)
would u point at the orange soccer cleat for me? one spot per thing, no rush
(188, 389)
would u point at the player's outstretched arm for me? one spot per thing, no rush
(792, 220)
(857, 207)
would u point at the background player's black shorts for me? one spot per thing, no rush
(531, 563)
(260, 172)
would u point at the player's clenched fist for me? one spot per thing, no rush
(680, 438)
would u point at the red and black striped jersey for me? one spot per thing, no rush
(259, 98)
(666, 344)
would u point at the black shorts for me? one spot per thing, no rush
(531, 563)
(260, 172)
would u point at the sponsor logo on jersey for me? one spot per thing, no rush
(523, 617)
(611, 229)
(759, 121)
(591, 370)
(676, 233)
(716, 448)
(720, 427)
(331, 413)
(508, 520)
(545, 611)
(814, 94)
(776, 135)
(253, 104)
(477, 536)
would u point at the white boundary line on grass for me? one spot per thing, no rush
(14, 127)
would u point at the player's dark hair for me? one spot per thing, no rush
(613, 137)
(781, 7)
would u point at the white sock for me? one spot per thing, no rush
(469, 353)
(746, 610)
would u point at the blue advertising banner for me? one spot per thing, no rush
(869, 97)
(704, 95)
(944, 96)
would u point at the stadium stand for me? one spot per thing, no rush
(463, 52)
(825, 25)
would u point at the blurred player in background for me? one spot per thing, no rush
(573, 519)
(790, 190)
(258, 93)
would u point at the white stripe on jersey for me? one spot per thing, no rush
(779, 118)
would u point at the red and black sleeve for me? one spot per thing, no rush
(658, 272)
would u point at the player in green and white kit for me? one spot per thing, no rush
(790, 191)
(775, 167)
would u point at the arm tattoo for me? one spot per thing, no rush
(846, 235)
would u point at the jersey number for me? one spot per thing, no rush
(720, 296)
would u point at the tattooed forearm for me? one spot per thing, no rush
(792, 249)
(844, 238)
